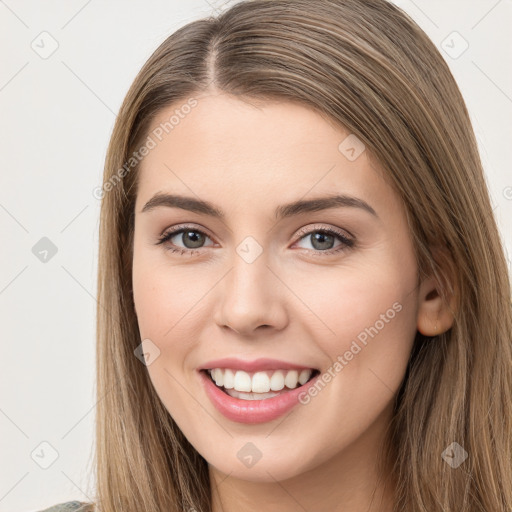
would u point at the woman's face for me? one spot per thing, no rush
(329, 289)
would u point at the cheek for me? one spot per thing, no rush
(170, 302)
(166, 297)
(365, 316)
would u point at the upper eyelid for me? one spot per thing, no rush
(181, 227)
(319, 227)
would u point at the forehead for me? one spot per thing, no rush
(245, 153)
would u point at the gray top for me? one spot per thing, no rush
(69, 506)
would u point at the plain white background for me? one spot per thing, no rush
(57, 114)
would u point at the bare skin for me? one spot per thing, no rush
(295, 302)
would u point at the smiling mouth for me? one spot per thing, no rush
(259, 385)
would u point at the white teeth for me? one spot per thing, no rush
(277, 381)
(261, 382)
(250, 396)
(304, 376)
(229, 378)
(242, 381)
(291, 379)
(218, 377)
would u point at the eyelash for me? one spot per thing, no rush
(347, 243)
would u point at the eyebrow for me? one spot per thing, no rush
(288, 210)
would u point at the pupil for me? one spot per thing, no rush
(197, 239)
(319, 238)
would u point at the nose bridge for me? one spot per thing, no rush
(250, 295)
(247, 285)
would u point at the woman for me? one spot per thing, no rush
(303, 298)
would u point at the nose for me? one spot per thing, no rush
(250, 298)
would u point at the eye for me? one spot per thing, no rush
(322, 240)
(191, 237)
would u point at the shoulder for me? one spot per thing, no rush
(70, 506)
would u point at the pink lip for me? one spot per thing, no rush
(252, 411)
(251, 366)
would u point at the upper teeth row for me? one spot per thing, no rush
(260, 382)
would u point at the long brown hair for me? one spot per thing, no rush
(371, 70)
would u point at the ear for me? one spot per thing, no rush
(435, 314)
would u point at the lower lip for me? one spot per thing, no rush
(253, 411)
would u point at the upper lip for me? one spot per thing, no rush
(252, 366)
